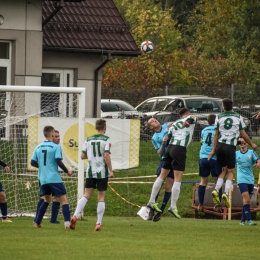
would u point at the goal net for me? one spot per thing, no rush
(24, 111)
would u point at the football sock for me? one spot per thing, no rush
(101, 206)
(175, 194)
(219, 184)
(243, 216)
(81, 205)
(41, 212)
(3, 210)
(167, 196)
(228, 186)
(156, 188)
(201, 193)
(38, 206)
(66, 212)
(247, 211)
(55, 210)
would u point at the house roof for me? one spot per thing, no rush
(89, 26)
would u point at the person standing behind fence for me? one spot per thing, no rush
(97, 150)
(47, 157)
(245, 159)
(180, 136)
(159, 141)
(228, 126)
(207, 167)
(3, 204)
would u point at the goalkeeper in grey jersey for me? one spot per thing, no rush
(180, 136)
(228, 126)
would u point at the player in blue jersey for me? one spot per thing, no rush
(55, 203)
(159, 141)
(245, 159)
(3, 204)
(207, 167)
(47, 157)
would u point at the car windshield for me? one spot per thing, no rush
(207, 105)
(113, 106)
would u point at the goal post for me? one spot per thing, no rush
(24, 111)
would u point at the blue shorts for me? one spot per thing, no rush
(170, 175)
(41, 190)
(1, 187)
(244, 187)
(207, 167)
(55, 189)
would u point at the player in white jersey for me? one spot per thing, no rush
(97, 150)
(228, 125)
(180, 136)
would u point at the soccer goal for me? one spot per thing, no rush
(24, 111)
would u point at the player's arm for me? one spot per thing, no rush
(83, 155)
(34, 164)
(5, 166)
(214, 144)
(107, 159)
(247, 139)
(63, 167)
(161, 150)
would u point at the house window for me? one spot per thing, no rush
(61, 104)
(5, 78)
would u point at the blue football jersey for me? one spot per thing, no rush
(207, 140)
(158, 137)
(245, 162)
(46, 154)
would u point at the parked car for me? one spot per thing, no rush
(166, 108)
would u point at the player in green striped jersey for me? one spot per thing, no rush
(228, 126)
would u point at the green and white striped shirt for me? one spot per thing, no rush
(94, 147)
(181, 135)
(229, 125)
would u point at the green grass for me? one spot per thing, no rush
(130, 238)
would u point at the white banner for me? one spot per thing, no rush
(124, 134)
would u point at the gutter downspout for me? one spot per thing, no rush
(96, 82)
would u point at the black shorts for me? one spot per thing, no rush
(158, 172)
(99, 184)
(226, 155)
(175, 158)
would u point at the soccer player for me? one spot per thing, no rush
(245, 159)
(3, 204)
(47, 157)
(159, 141)
(180, 136)
(228, 125)
(207, 167)
(55, 203)
(97, 150)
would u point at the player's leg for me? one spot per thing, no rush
(3, 205)
(41, 200)
(55, 211)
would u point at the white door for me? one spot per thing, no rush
(53, 104)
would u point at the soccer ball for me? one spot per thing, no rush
(147, 47)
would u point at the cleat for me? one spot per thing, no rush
(226, 201)
(67, 227)
(6, 220)
(55, 222)
(154, 206)
(215, 196)
(98, 227)
(242, 223)
(174, 212)
(151, 214)
(251, 223)
(157, 217)
(200, 210)
(217, 209)
(73, 222)
(37, 225)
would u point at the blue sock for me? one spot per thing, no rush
(243, 217)
(41, 212)
(66, 212)
(3, 210)
(201, 194)
(38, 206)
(220, 194)
(55, 211)
(167, 196)
(247, 211)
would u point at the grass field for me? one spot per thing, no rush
(130, 238)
